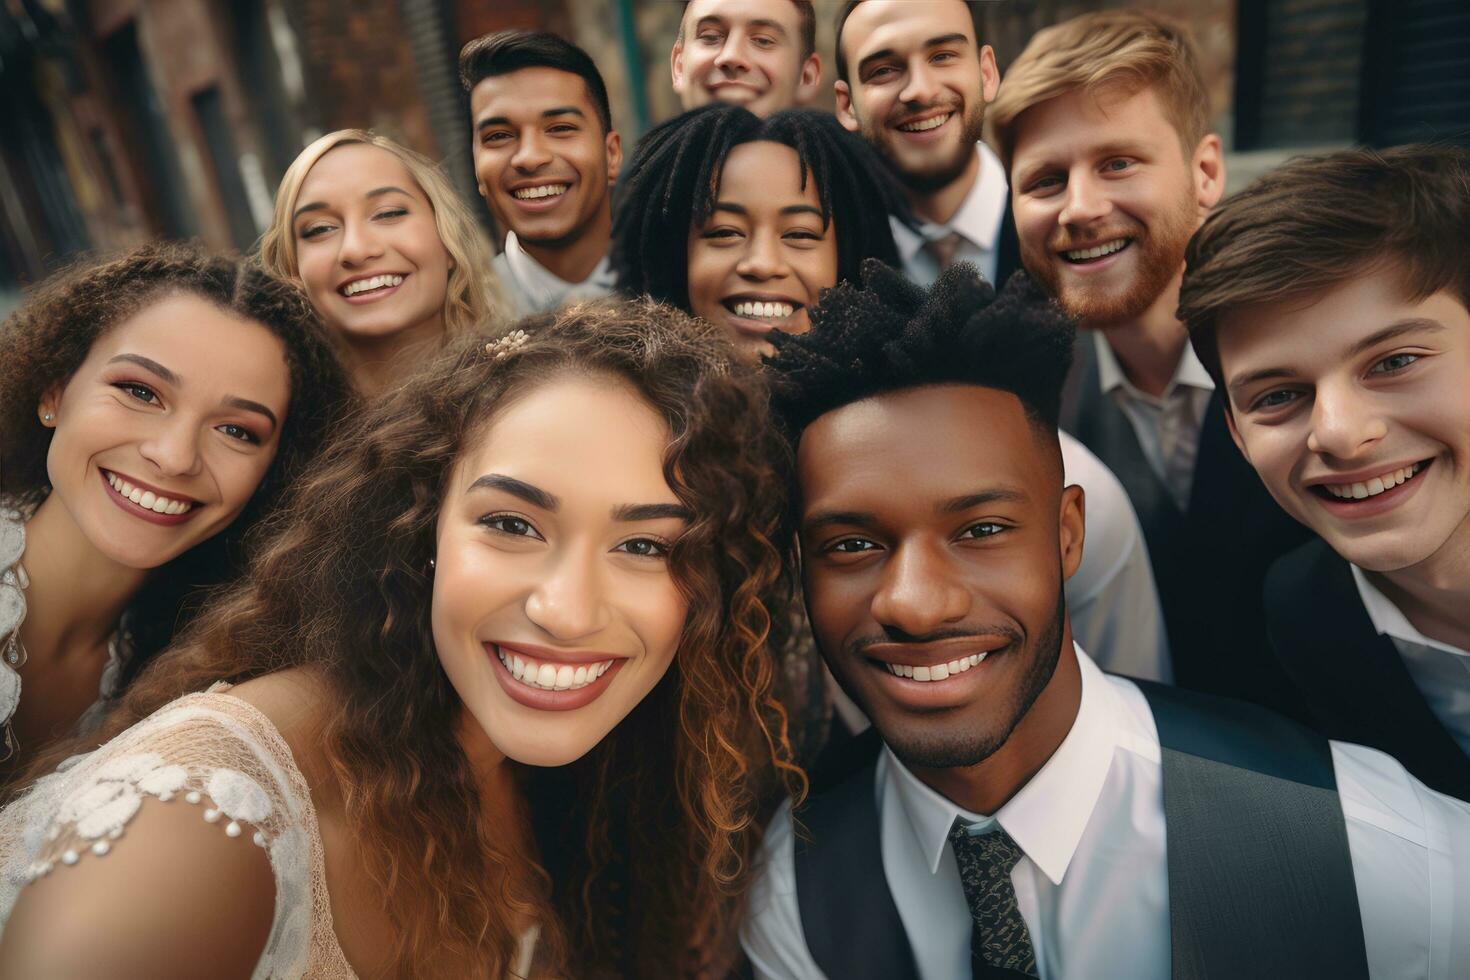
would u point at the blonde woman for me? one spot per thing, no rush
(388, 253)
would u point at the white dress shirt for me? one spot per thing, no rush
(1440, 671)
(532, 288)
(1168, 427)
(1093, 884)
(977, 222)
(1112, 599)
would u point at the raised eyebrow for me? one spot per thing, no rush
(651, 512)
(245, 404)
(730, 206)
(313, 206)
(532, 495)
(997, 495)
(151, 365)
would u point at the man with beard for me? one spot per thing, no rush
(546, 157)
(1103, 122)
(914, 79)
(1008, 817)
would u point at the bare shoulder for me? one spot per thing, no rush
(175, 896)
(297, 702)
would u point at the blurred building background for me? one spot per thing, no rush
(125, 120)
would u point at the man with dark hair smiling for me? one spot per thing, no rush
(1008, 817)
(546, 157)
(760, 54)
(1330, 301)
(913, 77)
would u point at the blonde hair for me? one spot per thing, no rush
(1114, 47)
(472, 299)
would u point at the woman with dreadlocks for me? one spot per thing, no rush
(744, 221)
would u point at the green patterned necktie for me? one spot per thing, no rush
(1000, 944)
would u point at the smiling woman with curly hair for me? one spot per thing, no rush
(152, 408)
(502, 699)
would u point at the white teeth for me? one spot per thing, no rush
(764, 310)
(544, 190)
(937, 672)
(1373, 487)
(552, 677)
(371, 283)
(147, 498)
(1097, 251)
(921, 126)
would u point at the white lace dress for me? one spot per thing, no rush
(211, 752)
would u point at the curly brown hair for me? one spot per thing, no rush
(44, 343)
(647, 841)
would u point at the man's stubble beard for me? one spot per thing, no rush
(917, 749)
(574, 235)
(1161, 256)
(947, 172)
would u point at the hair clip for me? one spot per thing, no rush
(507, 345)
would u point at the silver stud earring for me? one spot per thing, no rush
(431, 564)
(47, 417)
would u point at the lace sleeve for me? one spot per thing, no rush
(208, 751)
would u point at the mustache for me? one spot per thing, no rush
(1066, 241)
(904, 109)
(892, 635)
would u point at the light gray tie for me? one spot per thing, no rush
(944, 248)
(1000, 943)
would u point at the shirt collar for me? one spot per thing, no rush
(1388, 620)
(548, 290)
(1047, 817)
(1189, 371)
(980, 214)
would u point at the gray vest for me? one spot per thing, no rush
(1260, 874)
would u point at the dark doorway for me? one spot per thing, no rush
(260, 70)
(143, 126)
(224, 165)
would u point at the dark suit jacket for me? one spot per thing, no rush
(1352, 678)
(1008, 252)
(1209, 561)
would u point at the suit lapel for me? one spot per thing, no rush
(1353, 677)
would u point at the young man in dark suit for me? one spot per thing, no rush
(1103, 121)
(1329, 301)
(1015, 811)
